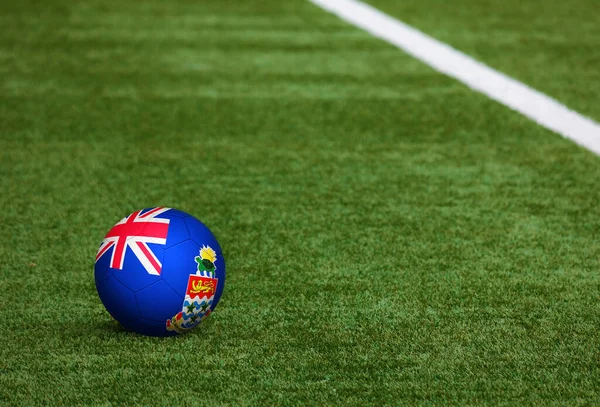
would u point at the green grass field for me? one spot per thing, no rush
(391, 237)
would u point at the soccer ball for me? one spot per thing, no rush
(159, 272)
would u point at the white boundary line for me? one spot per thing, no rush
(533, 104)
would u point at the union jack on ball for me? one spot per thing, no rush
(159, 272)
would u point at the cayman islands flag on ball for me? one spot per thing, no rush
(159, 271)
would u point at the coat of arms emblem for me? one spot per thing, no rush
(201, 289)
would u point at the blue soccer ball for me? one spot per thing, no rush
(160, 272)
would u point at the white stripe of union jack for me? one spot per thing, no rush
(136, 231)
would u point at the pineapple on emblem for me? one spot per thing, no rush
(206, 261)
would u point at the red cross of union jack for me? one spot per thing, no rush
(136, 231)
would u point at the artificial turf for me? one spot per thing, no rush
(391, 237)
